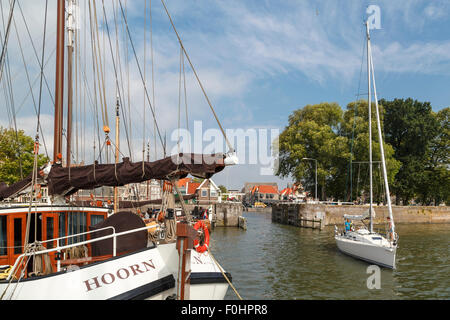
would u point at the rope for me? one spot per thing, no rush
(5, 42)
(198, 79)
(29, 249)
(225, 276)
(140, 72)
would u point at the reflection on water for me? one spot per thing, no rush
(270, 261)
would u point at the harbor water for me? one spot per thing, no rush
(270, 261)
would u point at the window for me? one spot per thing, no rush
(96, 219)
(62, 228)
(17, 236)
(49, 232)
(76, 223)
(3, 236)
(213, 193)
(204, 193)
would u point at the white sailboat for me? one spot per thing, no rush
(364, 243)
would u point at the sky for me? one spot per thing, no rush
(258, 61)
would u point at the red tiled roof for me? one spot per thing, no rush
(265, 189)
(182, 182)
(192, 187)
(286, 191)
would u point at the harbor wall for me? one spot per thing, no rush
(227, 214)
(333, 214)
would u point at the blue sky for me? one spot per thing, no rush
(260, 60)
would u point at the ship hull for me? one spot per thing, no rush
(371, 252)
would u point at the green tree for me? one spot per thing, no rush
(355, 127)
(436, 186)
(313, 132)
(16, 155)
(223, 189)
(410, 127)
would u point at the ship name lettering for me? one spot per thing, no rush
(121, 274)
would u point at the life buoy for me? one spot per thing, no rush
(197, 246)
(161, 216)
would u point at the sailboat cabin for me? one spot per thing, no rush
(59, 223)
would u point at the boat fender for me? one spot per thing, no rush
(197, 246)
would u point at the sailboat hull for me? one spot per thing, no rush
(149, 274)
(371, 252)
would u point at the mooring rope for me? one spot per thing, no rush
(225, 276)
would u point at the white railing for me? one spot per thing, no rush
(114, 235)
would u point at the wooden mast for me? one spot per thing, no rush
(59, 82)
(70, 49)
(116, 196)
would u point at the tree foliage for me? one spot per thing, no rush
(416, 147)
(413, 129)
(356, 129)
(313, 132)
(16, 155)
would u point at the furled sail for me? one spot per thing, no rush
(66, 181)
(9, 191)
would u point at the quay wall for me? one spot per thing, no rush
(225, 214)
(333, 214)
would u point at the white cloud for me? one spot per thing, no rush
(235, 46)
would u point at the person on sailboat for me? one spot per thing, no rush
(347, 225)
(390, 234)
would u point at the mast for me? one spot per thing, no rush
(116, 200)
(59, 86)
(148, 160)
(70, 48)
(370, 127)
(380, 138)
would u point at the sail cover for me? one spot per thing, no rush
(66, 181)
(8, 191)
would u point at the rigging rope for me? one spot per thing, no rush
(29, 84)
(5, 42)
(140, 73)
(117, 82)
(231, 149)
(36, 145)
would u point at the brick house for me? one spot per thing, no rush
(205, 191)
(264, 193)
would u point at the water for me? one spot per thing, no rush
(270, 261)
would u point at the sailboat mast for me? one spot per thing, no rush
(370, 127)
(59, 83)
(70, 48)
(380, 139)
